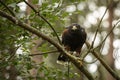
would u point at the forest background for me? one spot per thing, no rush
(30, 39)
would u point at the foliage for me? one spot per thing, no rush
(13, 38)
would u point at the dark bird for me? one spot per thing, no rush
(73, 38)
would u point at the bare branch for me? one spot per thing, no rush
(12, 13)
(108, 34)
(107, 67)
(44, 53)
(98, 27)
(13, 54)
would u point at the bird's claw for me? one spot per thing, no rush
(80, 61)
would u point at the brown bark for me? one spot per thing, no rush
(110, 58)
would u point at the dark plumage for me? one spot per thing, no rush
(73, 38)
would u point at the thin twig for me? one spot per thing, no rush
(43, 19)
(91, 61)
(99, 25)
(13, 54)
(59, 4)
(90, 47)
(88, 51)
(44, 53)
(12, 13)
(108, 34)
(107, 67)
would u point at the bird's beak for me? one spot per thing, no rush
(74, 28)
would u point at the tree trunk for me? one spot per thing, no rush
(110, 58)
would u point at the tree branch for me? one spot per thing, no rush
(98, 27)
(72, 58)
(44, 53)
(108, 34)
(12, 13)
(107, 67)
(36, 12)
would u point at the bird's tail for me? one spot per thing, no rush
(62, 59)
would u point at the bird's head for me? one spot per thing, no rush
(74, 27)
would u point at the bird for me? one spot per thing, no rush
(73, 38)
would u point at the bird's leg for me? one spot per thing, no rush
(79, 59)
(67, 48)
(78, 50)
